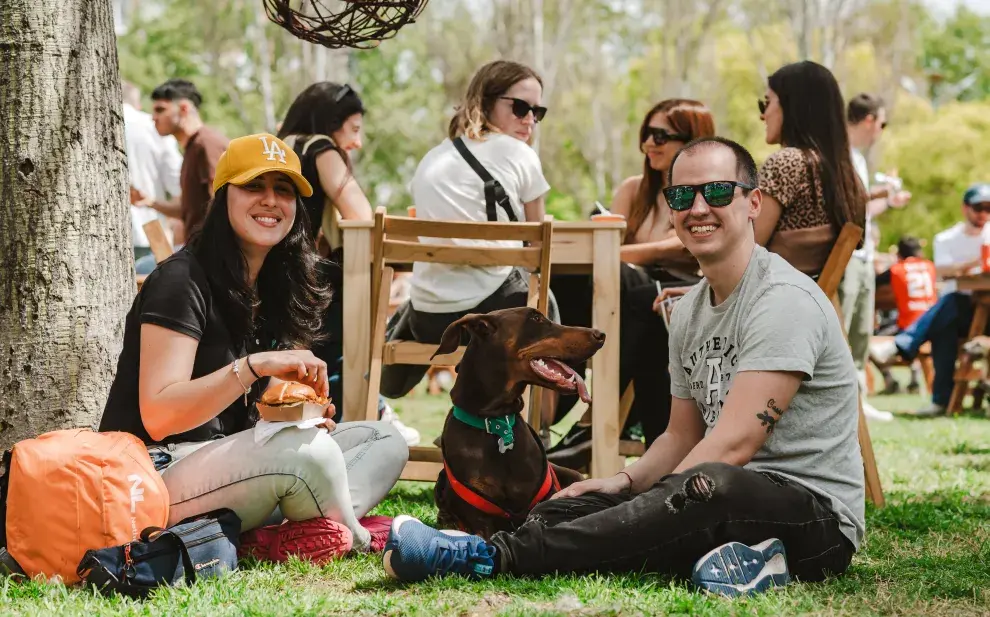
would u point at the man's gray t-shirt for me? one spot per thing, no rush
(778, 319)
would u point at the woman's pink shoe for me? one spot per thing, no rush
(318, 539)
(379, 527)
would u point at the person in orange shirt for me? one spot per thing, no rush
(912, 279)
(957, 252)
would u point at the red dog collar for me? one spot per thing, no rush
(483, 503)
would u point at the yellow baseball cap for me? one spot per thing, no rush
(248, 157)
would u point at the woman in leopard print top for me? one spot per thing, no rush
(810, 189)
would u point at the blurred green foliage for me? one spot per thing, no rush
(604, 67)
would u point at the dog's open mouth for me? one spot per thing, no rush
(564, 377)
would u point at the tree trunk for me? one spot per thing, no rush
(264, 67)
(67, 277)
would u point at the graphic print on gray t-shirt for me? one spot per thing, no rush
(777, 319)
(719, 360)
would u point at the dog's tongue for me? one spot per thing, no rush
(582, 389)
(569, 375)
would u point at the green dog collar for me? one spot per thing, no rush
(500, 426)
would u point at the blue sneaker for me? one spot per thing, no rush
(735, 569)
(415, 552)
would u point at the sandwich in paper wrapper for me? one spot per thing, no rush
(291, 402)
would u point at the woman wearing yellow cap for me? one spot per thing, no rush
(216, 324)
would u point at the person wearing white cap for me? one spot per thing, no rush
(957, 252)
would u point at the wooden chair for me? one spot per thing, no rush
(924, 359)
(828, 281)
(161, 248)
(403, 240)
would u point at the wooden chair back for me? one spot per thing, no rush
(828, 281)
(406, 240)
(161, 248)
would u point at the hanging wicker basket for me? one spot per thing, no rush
(359, 24)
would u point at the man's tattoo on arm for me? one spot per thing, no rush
(767, 419)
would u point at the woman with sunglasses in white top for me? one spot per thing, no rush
(490, 133)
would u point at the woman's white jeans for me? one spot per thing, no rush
(298, 473)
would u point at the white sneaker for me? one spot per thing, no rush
(872, 413)
(408, 433)
(446, 380)
(931, 409)
(883, 352)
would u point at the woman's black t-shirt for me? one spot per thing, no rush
(314, 146)
(177, 296)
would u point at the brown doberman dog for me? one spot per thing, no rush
(496, 468)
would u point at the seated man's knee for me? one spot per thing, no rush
(706, 482)
(552, 511)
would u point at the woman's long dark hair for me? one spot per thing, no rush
(317, 111)
(320, 109)
(289, 291)
(815, 122)
(685, 116)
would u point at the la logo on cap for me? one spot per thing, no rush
(272, 151)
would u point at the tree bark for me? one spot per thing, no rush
(67, 278)
(264, 67)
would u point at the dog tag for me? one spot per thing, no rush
(501, 427)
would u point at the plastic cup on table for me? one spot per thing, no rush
(605, 218)
(605, 215)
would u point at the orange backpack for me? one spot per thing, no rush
(74, 490)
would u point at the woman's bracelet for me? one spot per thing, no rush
(253, 372)
(237, 373)
(628, 477)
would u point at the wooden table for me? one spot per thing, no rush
(979, 284)
(577, 247)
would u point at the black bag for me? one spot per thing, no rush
(203, 546)
(494, 191)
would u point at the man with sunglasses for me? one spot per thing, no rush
(747, 486)
(867, 118)
(957, 252)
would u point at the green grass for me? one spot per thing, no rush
(927, 553)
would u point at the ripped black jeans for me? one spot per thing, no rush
(669, 527)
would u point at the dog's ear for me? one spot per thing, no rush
(479, 325)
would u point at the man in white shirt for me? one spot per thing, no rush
(957, 252)
(866, 117)
(153, 165)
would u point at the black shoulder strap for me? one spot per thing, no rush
(494, 192)
(313, 139)
(8, 565)
(153, 534)
(6, 461)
